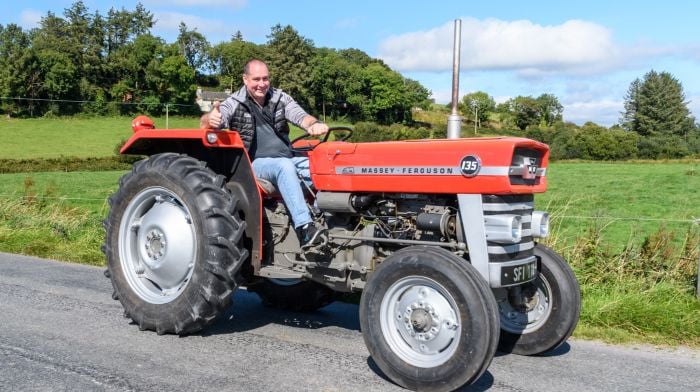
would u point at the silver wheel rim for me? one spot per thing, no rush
(157, 245)
(420, 321)
(528, 320)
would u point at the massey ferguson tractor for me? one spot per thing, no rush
(439, 236)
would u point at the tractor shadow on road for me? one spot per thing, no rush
(248, 313)
(559, 351)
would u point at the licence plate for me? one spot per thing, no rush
(516, 274)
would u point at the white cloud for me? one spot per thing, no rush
(574, 46)
(30, 18)
(603, 112)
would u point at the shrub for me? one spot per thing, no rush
(668, 146)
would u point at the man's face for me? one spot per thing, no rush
(257, 82)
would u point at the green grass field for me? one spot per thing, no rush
(626, 228)
(75, 136)
(71, 137)
(626, 200)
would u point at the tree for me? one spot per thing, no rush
(526, 111)
(416, 94)
(20, 75)
(123, 26)
(656, 106)
(385, 95)
(289, 56)
(335, 84)
(629, 116)
(171, 80)
(194, 47)
(228, 59)
(550, 109)
(478, 105)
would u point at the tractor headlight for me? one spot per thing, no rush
(503, 228)
(540, 224)
(212, 137)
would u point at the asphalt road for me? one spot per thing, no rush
(60, 330)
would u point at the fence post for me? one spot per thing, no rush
(167, 119)
(697, 291)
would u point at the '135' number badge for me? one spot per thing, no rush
(470, 165)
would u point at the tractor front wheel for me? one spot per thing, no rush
(429, 320)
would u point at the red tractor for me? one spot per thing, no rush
(440, 236)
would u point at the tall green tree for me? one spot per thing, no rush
(290, 55)
(20, 75)
(122, 26)
(335, 83)
(629, 116)
(194, 47)
(656, 106)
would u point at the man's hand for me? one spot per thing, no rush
(213, 118)
(317, 128)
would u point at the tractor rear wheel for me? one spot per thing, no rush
(174, 244)
(429, 320)
(539, 316)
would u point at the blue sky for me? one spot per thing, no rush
(585, 53)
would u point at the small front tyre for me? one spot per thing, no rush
(429, 320)
(539, 316)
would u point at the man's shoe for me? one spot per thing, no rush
(310, 236)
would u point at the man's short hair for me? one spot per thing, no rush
(246, 67)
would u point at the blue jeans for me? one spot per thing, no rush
(284, 173)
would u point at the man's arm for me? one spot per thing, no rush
(297, 116)
(314, 126)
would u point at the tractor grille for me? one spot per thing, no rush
(522, 205)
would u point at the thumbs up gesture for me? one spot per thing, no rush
(211, 119)
(215, 116)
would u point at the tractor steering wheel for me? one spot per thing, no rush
(311, 144)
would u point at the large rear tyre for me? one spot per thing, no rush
(539, 316)
(173, 244)
(293, 294)
(429, 320)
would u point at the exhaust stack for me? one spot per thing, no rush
(454, 121)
